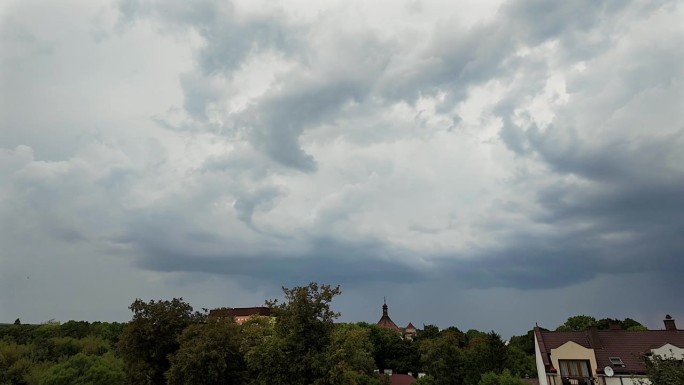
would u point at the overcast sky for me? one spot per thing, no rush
(484, 164)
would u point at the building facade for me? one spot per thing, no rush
(602, 357)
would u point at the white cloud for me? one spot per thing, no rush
(490, 144)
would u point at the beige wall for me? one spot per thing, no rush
(573, 351)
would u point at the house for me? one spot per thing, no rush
(401, 379)
(602, 357)
(239, 314)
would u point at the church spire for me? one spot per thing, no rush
(385, 321)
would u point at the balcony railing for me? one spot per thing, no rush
(574, 380)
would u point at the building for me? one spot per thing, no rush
(386, 322)
(239, 314)
(602, 357)
(409, 332)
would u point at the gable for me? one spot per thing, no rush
(573, 351)
(669, 350)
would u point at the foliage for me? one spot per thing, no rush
(349, 357)
(83, 369)
(391, 352)
(663, 370)
(302, 332)
(524, 342)
(505, 378)
(152, 336)
(443, 360)
(583, 322)
(577, 323)
(489, 354)
(14, 362)
(209, 354)
(428, 332)
(520, 363)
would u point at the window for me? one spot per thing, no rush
(574, 368)
(616, 361)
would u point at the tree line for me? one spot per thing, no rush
(169, 343)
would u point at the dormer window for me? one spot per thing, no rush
(616, 361)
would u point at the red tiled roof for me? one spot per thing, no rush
(240, 312)
(410, 326)
(387, 323)
(401, 379)
(630, 346)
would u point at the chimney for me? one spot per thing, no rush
(669, 323)
(594, 338)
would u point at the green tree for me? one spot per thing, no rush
(428, 332)
(349, 357)
(390, 351)
(663, 370)
(443, 360)
(505, 378)
(294, 355)
(577, 323)
(15, 363)
(524, 342)
(83, 369)
(152, 336)
(520, 363)
(209, 354)
(487, 353)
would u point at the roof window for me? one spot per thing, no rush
(616, 361)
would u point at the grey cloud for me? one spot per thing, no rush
(324, 259)
(246, 204)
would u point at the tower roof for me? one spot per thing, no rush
(385, 321)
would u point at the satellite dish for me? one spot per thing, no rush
(608, 371)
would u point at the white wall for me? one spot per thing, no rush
(541, 373)
(623, 380)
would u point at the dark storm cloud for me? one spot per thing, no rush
(325, 260)
(629, 198)
(532, 153)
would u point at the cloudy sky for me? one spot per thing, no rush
(484, 164)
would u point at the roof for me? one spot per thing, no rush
(240, 312)
(387, 323)
(410, 326)
(401, 379)
(629, 345)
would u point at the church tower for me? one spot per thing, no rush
(385, 321)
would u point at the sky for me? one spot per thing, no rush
(483, 164)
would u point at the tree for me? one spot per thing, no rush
(83, 369)
(15, 363)
(349, 357)
(388, 349)
(443, 360)
(577, 323)
(209, 354)
(294, 355)
(663, 370)
(152, 336)
(428, 332)
(17, 321)
(487, 353)
(505, 378)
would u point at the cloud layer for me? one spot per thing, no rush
(502, 147)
